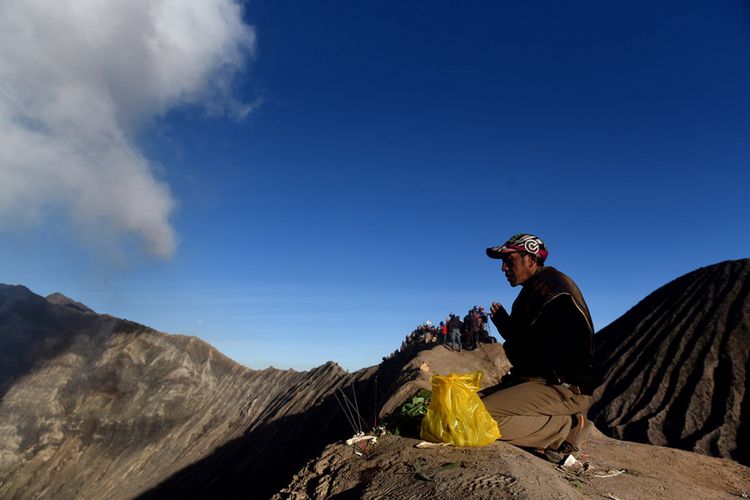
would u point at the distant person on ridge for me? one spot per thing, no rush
(454, 332)
(484, 331)
(549, 336)
(471, 322)
(466, 337)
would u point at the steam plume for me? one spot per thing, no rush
(77, 80)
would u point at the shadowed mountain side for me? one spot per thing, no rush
(264, 459)
(33, 330)
(97, 407)
(677, 365)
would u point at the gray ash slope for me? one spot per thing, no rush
(677, 365)
(93, 406)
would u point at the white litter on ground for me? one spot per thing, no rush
(357, 439)
(611, 473)
(427, 444)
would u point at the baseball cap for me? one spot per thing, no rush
(521, 242)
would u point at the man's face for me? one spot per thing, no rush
(518, 267)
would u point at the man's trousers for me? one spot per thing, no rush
(535, 415)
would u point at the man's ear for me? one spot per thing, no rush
(532, 262)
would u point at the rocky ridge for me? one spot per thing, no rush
(395, 468)
(94, 406)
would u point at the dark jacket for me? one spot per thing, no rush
(471, 322)
(454, 324)
(549, 333)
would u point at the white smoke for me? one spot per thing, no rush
(77, 80)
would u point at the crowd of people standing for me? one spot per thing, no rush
(455, 333)
(466, 333)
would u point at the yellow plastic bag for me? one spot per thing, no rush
(456, 414)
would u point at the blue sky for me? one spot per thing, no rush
(333, 180)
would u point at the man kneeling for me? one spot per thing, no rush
(549, 336)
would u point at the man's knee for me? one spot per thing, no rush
(530, 399)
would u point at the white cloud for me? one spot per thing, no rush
(77, 80)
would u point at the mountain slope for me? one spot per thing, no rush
(677, 365)
(98, 407)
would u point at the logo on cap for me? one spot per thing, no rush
(520, 242)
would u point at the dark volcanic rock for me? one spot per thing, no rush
(677, 365)
(34, 330)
